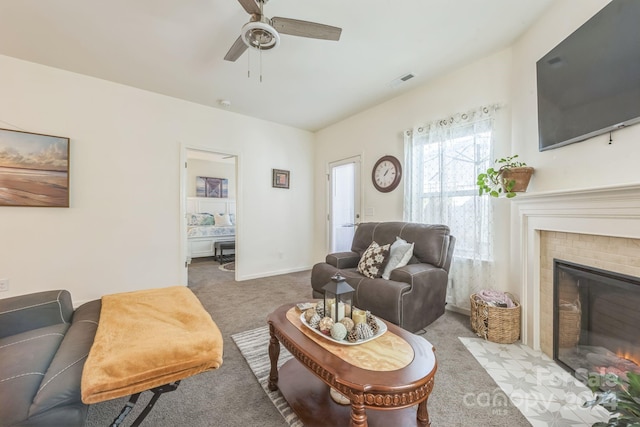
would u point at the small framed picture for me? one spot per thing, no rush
(280, 178)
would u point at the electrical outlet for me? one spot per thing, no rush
(4, 285)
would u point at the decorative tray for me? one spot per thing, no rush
(382, 328)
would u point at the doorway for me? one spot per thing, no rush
(202, 206)
(344, 203)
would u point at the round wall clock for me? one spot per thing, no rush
(386, 174)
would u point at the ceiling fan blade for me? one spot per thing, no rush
(296, 27)
(250, 6)
(236, 50)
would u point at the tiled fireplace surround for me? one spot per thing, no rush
(597, 227)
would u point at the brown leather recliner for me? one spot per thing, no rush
(414, 296)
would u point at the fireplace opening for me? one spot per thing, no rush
(596, 314)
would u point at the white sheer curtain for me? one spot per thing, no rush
(442, 161)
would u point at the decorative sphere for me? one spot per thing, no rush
(325, 325)
(348, 323)
(338, 331)
(309, 313)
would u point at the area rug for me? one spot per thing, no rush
(230, 266)
(254, 347)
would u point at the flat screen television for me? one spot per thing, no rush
(590, 83)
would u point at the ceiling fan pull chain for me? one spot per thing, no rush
(260, 65)
(249, 64)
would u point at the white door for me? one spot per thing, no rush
(199, 161)
(344, 203)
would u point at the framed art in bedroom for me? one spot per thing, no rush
(34, 169)
(280, 178)
(212, 187)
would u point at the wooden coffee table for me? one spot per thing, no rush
(387, 376)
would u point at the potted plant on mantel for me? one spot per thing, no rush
(507, 177)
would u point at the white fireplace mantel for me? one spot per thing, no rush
(606, 211)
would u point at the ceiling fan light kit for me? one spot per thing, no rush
(262, 33)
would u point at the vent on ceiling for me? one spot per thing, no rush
(402, 79)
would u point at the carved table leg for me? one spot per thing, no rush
(274, 354)
(423, 414)
(358, 414)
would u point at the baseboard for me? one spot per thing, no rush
(272, 273)
(455, 309)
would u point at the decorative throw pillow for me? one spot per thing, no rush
(373, 260)
(399, 256)
(199, 219)
(222, 220)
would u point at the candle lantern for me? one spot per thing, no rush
(338, 297)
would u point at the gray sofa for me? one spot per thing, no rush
(414, 295)
(43, 346)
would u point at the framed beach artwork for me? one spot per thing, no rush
(34, 169)
(212, 187)
(280, 178)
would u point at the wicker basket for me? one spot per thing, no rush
(569, 315)
(496, 324)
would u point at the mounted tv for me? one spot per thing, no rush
(590, 83)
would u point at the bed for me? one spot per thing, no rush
(209, 220)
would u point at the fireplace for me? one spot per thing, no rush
(596, 314)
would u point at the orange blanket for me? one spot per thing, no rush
(146, 339)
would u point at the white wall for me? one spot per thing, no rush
(378, 131)
(588, 164)
(122, 231)
(507, 76)
(199, 167)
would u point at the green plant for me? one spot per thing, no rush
(623, 401)
(492, 181)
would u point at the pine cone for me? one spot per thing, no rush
(364, 331)
(315, 320)
(373, 324)
(320, 308)
(352, 336)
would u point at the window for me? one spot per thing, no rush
(442, 162)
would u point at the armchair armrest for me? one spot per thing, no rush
(343, 259)
(413, 273)
(32, 311)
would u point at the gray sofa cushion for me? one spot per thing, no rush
(34, 311)
(431, 240)
(61, 383)
(41, 368)
(25, 360)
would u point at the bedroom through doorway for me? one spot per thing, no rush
(210, 191)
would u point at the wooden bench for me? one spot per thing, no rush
(222, 246)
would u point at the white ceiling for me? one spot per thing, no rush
(176, 47)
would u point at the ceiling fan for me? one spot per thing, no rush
(262, 33)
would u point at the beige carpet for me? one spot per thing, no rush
(232, 396)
